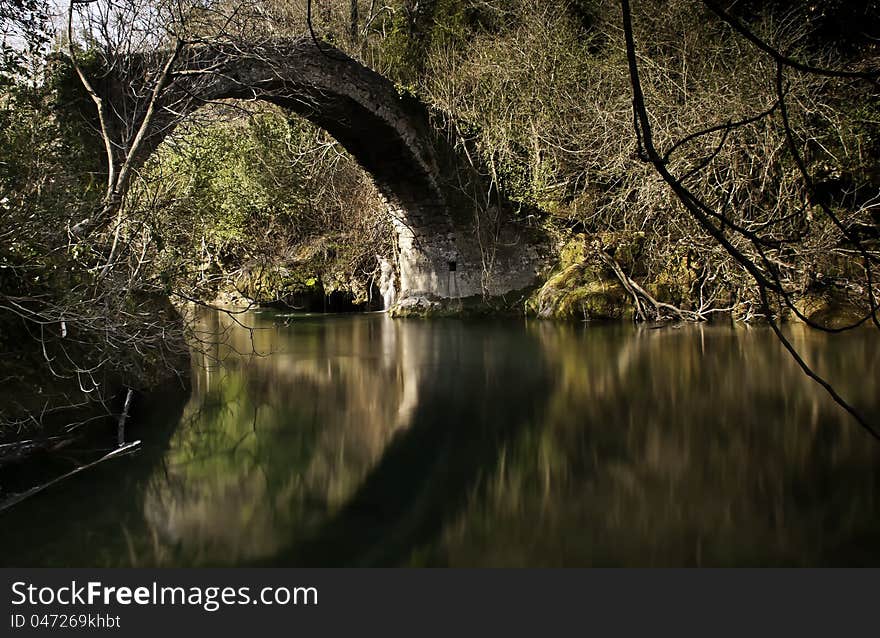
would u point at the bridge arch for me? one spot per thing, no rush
(449, 247)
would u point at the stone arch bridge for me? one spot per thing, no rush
(457, 240)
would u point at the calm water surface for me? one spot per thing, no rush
(360, 440)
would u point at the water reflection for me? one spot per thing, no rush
(360, 440)
(283, 425)
(685, 447)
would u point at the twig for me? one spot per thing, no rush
(123, 417)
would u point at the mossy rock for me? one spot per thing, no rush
(581, 292)
(416, 308)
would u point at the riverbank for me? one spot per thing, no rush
(64, 382)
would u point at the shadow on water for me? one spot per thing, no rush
(359, 440)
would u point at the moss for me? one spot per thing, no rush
(580, 292)
(265, 284)
(574, 251)
(626, 248)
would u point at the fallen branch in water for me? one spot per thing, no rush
(17, 450)
(18, 498)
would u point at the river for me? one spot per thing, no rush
(362, 440)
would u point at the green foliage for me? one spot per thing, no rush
(265, 204)
(48, 173)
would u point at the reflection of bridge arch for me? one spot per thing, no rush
(430, 469)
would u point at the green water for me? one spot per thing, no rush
(361, 440)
